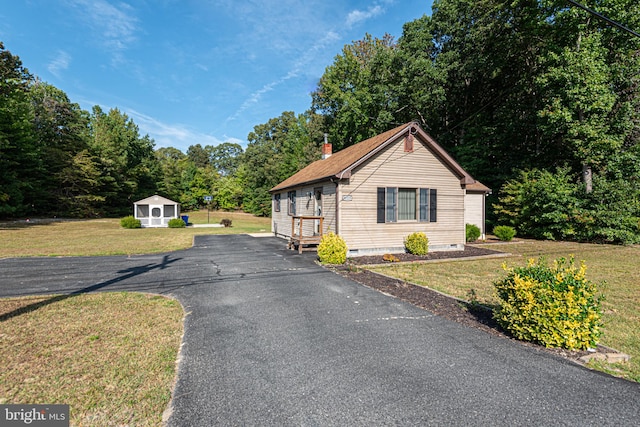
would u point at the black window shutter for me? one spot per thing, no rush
(424, 204)
(380, 205)
(433, 209)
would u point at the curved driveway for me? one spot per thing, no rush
(271, 338)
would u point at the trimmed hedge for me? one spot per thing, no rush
(176, 223)
(504, 232)
(130, 222)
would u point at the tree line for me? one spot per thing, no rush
(57, 159)
(537, 99)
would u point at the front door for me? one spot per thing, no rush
(317, 209)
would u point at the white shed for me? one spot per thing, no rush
(156, 211)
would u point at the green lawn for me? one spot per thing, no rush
(616, 267)
(110, 356)
(106, 237)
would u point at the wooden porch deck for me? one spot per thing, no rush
(298, 239)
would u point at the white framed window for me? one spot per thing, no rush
(407, 204)
(291, 195)
(276, 202)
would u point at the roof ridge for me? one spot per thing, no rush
(340, 164)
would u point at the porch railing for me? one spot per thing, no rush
(313, 229)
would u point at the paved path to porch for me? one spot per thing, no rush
(271, 338)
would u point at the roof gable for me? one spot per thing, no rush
(340, 164)
(155, 200)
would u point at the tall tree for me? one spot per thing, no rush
(419, 83)
(488, 52)
(277, 149)
(173, 163)
(198, 155)
(127, 162)
(18, 155)
(224, 157)
(588, 86)
(79, 187)
(354, 92)
(61, 132)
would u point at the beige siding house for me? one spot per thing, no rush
(379, 191)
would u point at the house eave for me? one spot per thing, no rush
(412, 128)
(333, 178)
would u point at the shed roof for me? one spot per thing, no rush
(155, 200)
(340, 164)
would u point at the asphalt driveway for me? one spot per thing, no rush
(271, 338)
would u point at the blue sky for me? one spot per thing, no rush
(193, 71)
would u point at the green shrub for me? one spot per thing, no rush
(472, 232)
(417, 243)
(226, 222)
(504, 232)
(130, 222)
(332, 249)
(555, 206)
(553, 306)
(176, 223)
(540, 203)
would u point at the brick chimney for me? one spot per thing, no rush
(326, 148)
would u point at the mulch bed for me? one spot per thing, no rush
(468, 314)
(469, 251)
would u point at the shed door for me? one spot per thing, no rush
(156, 215)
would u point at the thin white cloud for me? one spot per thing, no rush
(59, 63)
(169, 135)
(115, 25)
(298, 66)
(254, 98)
(357, 16)
(298, 31)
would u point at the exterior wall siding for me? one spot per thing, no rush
(305, 206)
(281, 221)
(393, 167)
(473, 210)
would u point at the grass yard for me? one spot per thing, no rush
(110, 356)
(106, 237)
(616, 266)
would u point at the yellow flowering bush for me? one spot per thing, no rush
(417, 243)
(332, 249)
(555, 306)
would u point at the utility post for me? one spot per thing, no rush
(208, 199)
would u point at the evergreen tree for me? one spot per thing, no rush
(18, 156)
